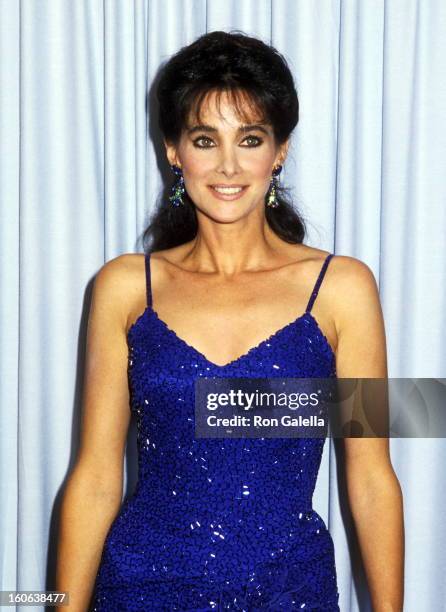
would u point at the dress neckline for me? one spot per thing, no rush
(249, 353)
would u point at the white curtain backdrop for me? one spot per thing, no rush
(79, 175)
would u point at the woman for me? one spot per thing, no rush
(228, 290)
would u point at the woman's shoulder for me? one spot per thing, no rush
(127, 271)
(353, 292)
(352, 274)
(123, 269)
(122, 279)
(349, 284)
(125, 277)
(344, 268)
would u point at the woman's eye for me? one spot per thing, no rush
(253, 141)
(203, 142)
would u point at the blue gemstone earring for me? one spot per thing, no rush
(178, 189)
(272, 200)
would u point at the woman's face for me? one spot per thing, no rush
(226, 162)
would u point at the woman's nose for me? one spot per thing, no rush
(228, 164)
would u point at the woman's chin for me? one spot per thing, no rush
(226, 213)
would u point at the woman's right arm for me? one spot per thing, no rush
(93, 493)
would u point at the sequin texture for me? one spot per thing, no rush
(218, 524)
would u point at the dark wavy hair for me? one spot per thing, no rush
(246, 69)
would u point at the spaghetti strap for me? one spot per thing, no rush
(318, 283)
(148, 280)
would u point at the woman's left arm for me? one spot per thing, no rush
(374, 492)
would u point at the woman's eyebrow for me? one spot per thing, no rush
(243, 128)
(201, 128)
(253, 126)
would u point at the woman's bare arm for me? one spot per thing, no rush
(93, 492)
(374, 492)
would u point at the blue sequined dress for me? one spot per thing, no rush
(218, 524)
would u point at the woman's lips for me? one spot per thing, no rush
(228, 193)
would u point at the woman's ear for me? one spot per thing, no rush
(282, 153)
(171, 153)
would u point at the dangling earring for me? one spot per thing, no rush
(272, 200)
(178, 189)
